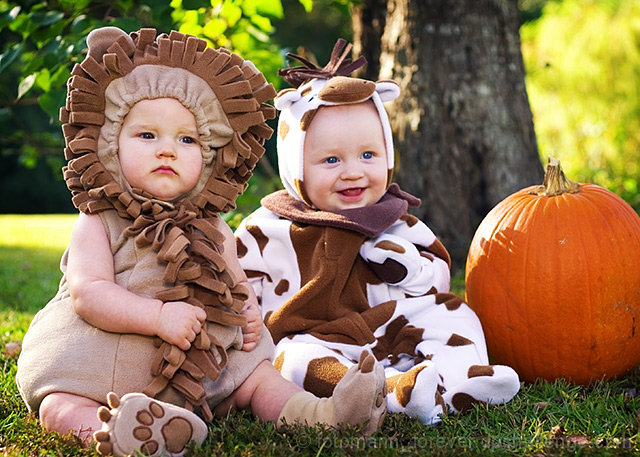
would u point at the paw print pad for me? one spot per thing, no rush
(137, 423)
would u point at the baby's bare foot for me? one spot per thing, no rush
(137, 423)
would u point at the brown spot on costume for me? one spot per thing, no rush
(322, 376)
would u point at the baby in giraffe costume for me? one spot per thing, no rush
(154, 316)
(339, 266)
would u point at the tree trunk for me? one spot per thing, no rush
(463, 128)
(368, 21)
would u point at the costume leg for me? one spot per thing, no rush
(318, 369)
(314, 367)
(139, 424)
(358, 399)
(415, 392)
(453, 340)
(492, 384)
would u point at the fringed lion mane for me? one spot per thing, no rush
(185, 235)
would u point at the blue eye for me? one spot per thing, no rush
(367, 155)
(147, 136)
(331, 160)
(188, 140)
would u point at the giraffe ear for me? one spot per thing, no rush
(286, 98)
(387, 90)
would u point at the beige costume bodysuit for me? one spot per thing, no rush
(166, 250)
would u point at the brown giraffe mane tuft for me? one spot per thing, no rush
(338, 65)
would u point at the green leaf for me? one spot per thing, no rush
(271, 8)
(80, 25)
(263, 23)
(33, 63)
(75, 5)
(43, 79)
(60, 76)
(8, 15)
(26, 84)
(307, 4)
(126, 5)
(9, 56)
(214, 28)
(29, 156)
(241, 41)
(231, 12)
(128, 24)
(190, 24)
(257, 34)
(195, 4)
(51, 45)
(23, 25)
(44, 18)
(161, 10)
(51, 102)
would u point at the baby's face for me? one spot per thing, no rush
(345, 162)
(158, 148)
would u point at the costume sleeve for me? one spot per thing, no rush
(250, 256)
(408, 255)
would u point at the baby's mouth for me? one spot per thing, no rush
(165, 170)
(352, 192)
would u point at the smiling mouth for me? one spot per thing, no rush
(352, 192)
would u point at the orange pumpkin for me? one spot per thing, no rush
(553, 273)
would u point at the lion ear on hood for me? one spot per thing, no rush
(99, 40)
(387, 90)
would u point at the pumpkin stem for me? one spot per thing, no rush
(555, 182)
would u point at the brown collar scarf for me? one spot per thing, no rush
(369, 220)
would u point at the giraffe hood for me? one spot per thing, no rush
(316, 87)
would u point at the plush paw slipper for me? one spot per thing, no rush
(361, 395)
(137, 424)
(358, 399)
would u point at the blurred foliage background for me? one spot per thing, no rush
(583, 79)
(582, 59)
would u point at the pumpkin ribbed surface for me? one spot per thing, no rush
(555, 280)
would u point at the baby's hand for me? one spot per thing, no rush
(251, 332)
(179, 323)
(392, 258)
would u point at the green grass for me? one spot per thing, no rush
(543, 419)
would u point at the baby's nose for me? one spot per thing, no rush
(352, 170)
(165, 149)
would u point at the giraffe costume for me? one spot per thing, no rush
(169, 250)
(331, 284)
